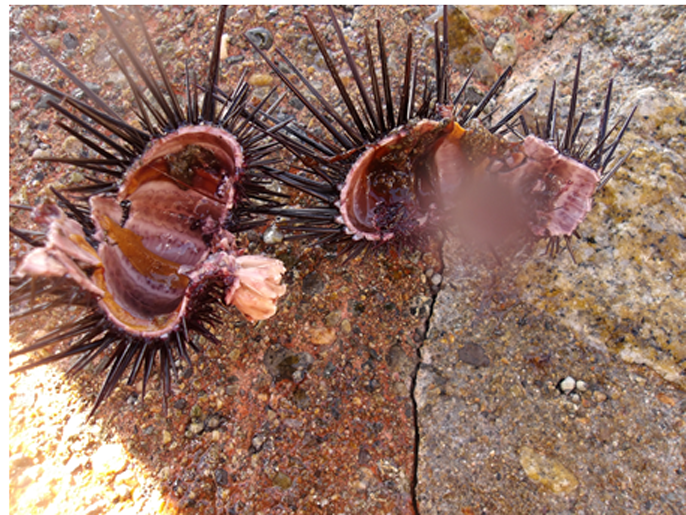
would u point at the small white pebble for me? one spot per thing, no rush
(272, 236)
(582, 386)
(224, 47)
(599, 396)
(567, 385)
(40, 153)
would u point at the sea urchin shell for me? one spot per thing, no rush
(390, 189)
(387, 176)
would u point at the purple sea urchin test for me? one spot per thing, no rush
(524, 190)
(147, 269)
(394, 160)
(557, 191)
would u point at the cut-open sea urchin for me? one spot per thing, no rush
(148, 247)
(394, 168)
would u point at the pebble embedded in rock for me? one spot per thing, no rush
(196, 427)
(95, 88)
(564, 10)
(40, 153)
(282, 481)
(420, 306)
(243, 14)
(283, 363)
(466, 47)
(322, 335)
(257, 442)
(261, 80)
(398, 361)
(505, 50)
(272, 236)
(224, 47)
(43, 102)
(47, 23)
(72, 146)
(313, 284)
(548, 472)
(567, 385)
(333, 319)
(599, 396)
(53, 44)
(213, 422)
(221, 477)
(473, 354)
(296, 103)
(70, 41)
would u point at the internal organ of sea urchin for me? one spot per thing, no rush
(151, 253)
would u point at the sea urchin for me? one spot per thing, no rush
(393, 169)
(148, 247)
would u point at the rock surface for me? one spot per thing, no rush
(313, 410)
(504, 438)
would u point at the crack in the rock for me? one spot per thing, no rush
(413, 387)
